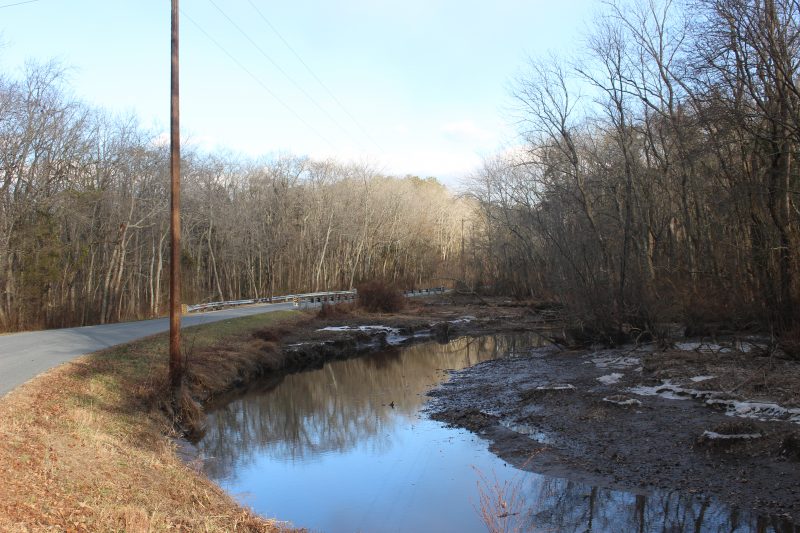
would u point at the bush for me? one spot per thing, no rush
(380, 297)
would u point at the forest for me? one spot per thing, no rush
(84, 200)
(657, 180)
(654, 181)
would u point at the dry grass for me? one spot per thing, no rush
(83, 447)
(502, 506)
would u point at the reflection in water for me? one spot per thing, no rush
(344, 403)
(566, 506)
(344, 448)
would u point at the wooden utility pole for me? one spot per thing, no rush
(175, 359)
(463, 264)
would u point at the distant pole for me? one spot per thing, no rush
(175, 362)
(463, 264)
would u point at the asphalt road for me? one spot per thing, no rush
(26, 355)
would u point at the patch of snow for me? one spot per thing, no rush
(766, 412)
(698, 379)
(712, 435)
(625, 402)
(393, 337)
(671, 391)
(610, 379)
(700, 347)
(615, 361)
(463, 320)
(565, 386)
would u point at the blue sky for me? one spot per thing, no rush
(426, 81)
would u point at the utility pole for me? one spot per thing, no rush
(463, 264)
(175, 359)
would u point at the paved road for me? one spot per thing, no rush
(26, 355)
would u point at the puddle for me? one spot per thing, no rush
(346, 448)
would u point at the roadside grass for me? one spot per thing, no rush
(86, 447)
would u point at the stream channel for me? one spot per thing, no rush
(347, 448)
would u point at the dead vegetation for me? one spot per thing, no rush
(380, 297)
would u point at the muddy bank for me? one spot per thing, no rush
(705, 420)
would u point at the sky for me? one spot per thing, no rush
(408, 86)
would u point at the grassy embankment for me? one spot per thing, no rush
(85, 446)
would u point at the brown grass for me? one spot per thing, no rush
(83, 447)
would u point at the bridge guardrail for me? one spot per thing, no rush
(311, 297)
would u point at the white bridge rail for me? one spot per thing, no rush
(297, 299)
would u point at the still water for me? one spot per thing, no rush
(345, 448)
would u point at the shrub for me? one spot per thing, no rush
(380, 297)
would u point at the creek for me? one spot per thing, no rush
(348, 448)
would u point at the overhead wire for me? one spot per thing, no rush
(314, 75)
(258, 80)
(19, 3)
(282, 71)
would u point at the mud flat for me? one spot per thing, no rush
(718, 420)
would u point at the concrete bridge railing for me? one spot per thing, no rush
(305, 298)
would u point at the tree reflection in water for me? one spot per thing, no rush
(332, 409)
(567, 506)
(295, 437)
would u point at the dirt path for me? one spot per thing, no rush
(553, 412)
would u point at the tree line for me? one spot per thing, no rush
(657, 177)
(84, 217)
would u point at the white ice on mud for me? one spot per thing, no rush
(762, 411)
(564, 386)
(615, 361)
(463, 320)
(393, 336)
(624, 402)
(610, 379)
(712, 435)
(744, 346)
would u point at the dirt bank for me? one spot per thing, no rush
(701, 418)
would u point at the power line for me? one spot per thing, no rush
(19, 3)
(258, 80)
(314, 75)
(285, 74)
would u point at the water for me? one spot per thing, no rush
(345, 448)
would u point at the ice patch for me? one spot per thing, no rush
(712, 435)
(727, 347)
(700, 347)
(610, 379)
(765, 412)
(698, 379)
(615, 361)
(463, 320)
(393, 337)
(565, 386)
(621, 400)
